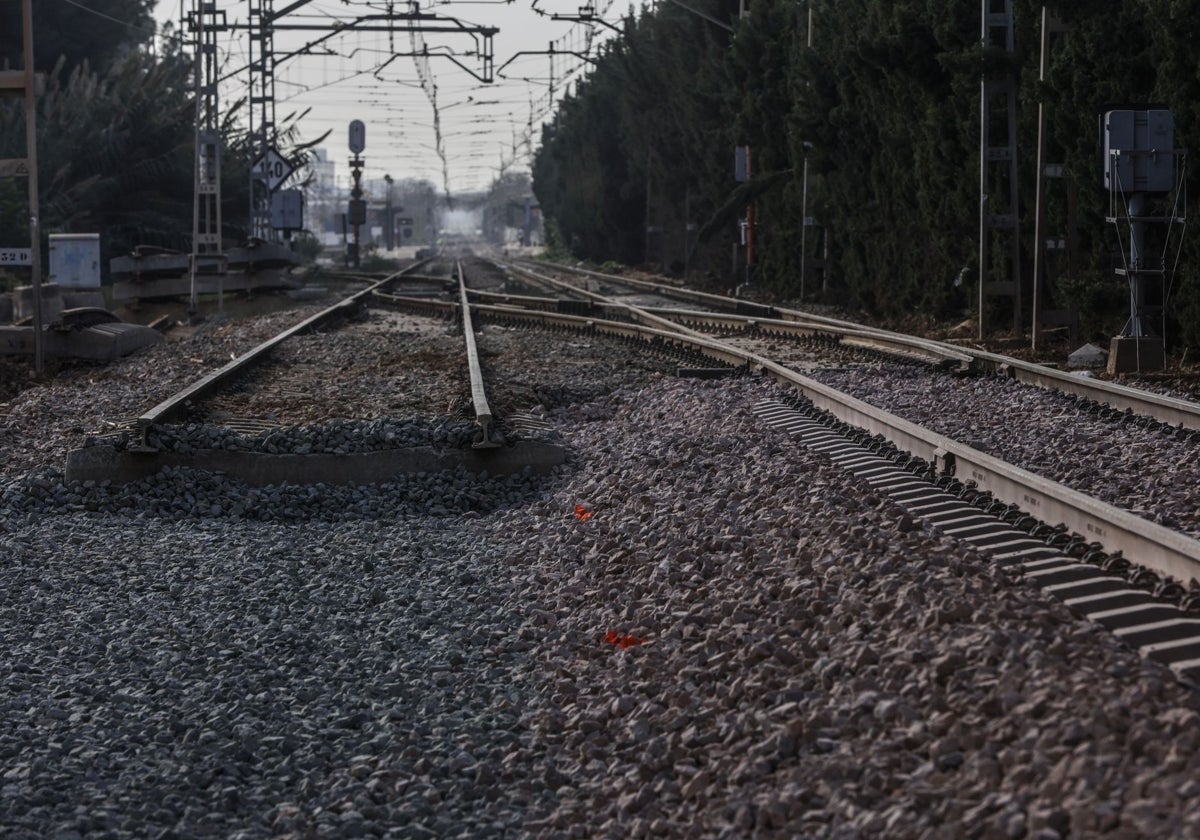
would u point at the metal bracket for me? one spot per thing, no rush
(943, 462)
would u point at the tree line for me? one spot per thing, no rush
(879, 103)
(116, 130)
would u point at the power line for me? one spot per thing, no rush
(152, 32)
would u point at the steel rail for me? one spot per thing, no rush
(483, 412)
(636, 313)
(897, 345)
(679, 292)
(206, 384)
(431, 278)
(934, 352)
(507, 267)
(1165, 551)
(620, 329)
(725, 320)
(546, 304)
(943, 356)
(423, 305)
(1169, 410)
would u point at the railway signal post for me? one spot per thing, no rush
(1145, 181)
(358, 208)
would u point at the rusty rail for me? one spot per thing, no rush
(483, 412)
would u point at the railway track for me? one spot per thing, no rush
(966, 492)
(257, 418)
(955, 485)
(1168, 410)
(182, 400)
(747, 582)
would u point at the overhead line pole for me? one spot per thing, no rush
(35, 227)
(804, 186)
(262, 98)
(206, 21)
(264, 22)
(1039, 213)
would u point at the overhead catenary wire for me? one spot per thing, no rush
(344, 71)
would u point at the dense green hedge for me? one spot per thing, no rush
(886, 106)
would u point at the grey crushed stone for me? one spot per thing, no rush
(811, 666)
(812, 663)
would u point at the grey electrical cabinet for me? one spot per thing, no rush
(287, 210)
(1139, 151)
(75, 260)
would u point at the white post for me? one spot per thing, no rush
(804, 191)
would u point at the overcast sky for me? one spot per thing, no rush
(480, 123)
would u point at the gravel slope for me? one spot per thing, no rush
(813, 666)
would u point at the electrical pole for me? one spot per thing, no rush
(749, 222)
(649, 183)
(804, 191)
(1050, 26)
(262, 99)
(999, 215)
(389, 228)
(208, 255)
(357, 207)
(35, 227)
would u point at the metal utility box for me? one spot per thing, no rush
(287, 210)
(1139, 151)
(75, 260)
(741, 163)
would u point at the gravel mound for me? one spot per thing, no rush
(339, 436)
(211, 679)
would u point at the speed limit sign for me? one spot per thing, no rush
(273, 169)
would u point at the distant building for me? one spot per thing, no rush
(323, 200)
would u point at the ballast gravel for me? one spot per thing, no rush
(1150, 472)
(697, 629)
(40, 425)
(338, 436)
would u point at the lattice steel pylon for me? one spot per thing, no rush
(206, 21)
(264, 22)
(262, 107)
(998, 217)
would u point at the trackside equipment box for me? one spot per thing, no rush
(1139, 151)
